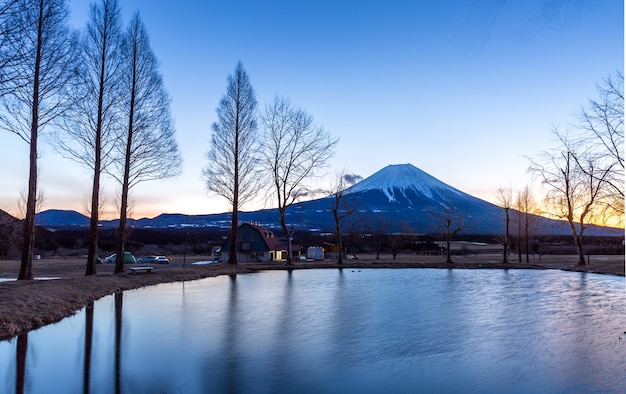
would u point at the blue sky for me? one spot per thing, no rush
(463, 89)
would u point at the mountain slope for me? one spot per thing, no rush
(396, 180)
(61, 218)
(396, 198)
(404, 198)
(411, 198)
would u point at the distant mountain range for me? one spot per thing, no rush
(396, 198)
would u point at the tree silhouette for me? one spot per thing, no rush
(231, 172)
(36, 94)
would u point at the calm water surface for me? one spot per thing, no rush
(322, 331)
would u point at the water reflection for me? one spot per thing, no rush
(231, 343)
(20, 362)
(336, 330)
(119, 297)
(88, 346)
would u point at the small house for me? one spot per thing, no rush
(257, 244)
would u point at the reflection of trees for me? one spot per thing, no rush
(282, 331)
(20, 358)
(231, 360)
(88, 346)
(348, 325)
(118, 341)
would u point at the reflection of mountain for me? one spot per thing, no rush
(395, 197)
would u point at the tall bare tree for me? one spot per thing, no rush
(231, 172)
(601, 127)
(340, 208)
(574, 184)
(91, 130)
(147, 149)
(294, 152)
(504, 197)
(524, 218)
(44, 67)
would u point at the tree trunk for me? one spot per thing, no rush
(339, 243)
(505, 249)
(232, 256)
(289, 251)
(578, 240)
(527, 243)
(28, 246)
(121, 236)
(92, 247)
(121, 242)
(579, 249)
(121, 231)
(283, 225)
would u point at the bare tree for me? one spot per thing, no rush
(339, 208)
(22, 203)
(10, 26)
(505, 199)
(40, 75)
(91, 130)
(575, 182)
(232, 157)
(601, 133)
(453, 223)
(378, 229)
(148, 149)
(524, 218)
(294, 151)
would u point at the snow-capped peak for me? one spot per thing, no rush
(401, 177)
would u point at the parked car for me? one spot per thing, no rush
(147, 260)
(128, 259)
(153, 260)
(162, 260)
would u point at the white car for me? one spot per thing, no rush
(162, 260)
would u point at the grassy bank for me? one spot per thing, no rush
(25, 305)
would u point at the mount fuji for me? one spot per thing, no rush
(401, 197)
(403, 178)
(397, 198)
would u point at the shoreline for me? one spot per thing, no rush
(28, 305)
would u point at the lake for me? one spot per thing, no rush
(326, 331)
